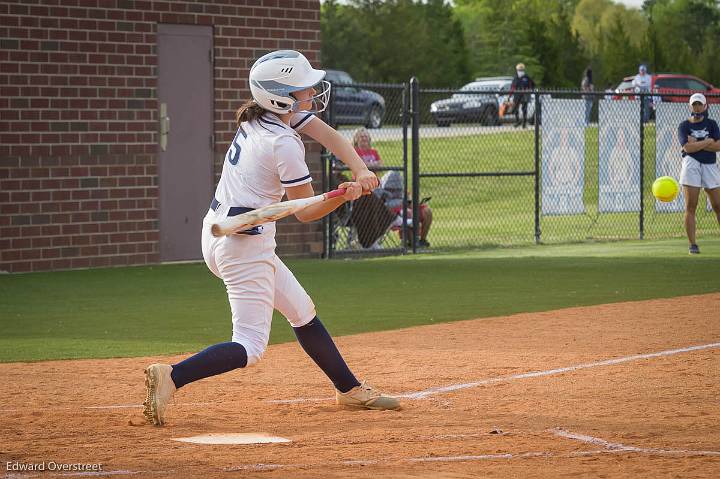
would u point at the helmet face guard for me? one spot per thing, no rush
(319, 101)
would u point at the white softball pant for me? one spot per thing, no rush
(257, 282)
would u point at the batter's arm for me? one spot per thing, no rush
(317, 211)
(324, 134)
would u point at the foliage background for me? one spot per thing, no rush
(446, 44)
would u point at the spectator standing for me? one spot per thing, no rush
(521, 87)
(642, 83)
(609, 91)
(700, 140)
(586, 85)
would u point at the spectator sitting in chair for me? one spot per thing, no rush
(363, 146)
(391, 191)
(392, 186)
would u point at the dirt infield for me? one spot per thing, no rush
(614, 391)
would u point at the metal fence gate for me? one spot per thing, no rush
(377, 223)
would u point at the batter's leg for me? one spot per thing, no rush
(248, 274)
(250, 289)
(214, 360)
(295, 304)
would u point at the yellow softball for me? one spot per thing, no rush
(665, 188)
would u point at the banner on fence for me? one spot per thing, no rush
(563, 156)
(668, 152)
(619, 161)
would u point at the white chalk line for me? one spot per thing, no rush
(426, 392)
(608, 448)
(616, 446)
(533, 374)
(116, 406)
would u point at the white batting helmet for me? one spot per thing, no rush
(275, 76)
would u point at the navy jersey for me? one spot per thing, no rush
(701, 130)
(523, 83)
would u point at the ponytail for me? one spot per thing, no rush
(248, 112)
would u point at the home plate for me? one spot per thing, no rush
(233, 438)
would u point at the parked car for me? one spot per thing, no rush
(478, 101)
(353, 105)
(670, 87)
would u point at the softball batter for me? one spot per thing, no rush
(265, 161)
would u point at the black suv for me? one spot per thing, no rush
(354, 106)
(478, 101)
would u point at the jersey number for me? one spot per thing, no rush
(233, 154)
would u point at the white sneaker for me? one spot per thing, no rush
(160, 389)
(365, 396)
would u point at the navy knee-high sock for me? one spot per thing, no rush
(214, 360)
(317, 343)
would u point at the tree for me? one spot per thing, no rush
(618, 56)
(501, 33)
(447, 44)
(685, 36)
(391, 41)
(561, 53)
(587, 22)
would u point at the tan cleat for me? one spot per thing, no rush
(366, 396)
(160, 389)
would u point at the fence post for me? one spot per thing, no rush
(405, 117)
(328, 170)
(537, 112)
(325, 187)
(415, 109)
(642, 165)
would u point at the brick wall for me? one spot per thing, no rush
(78, 120)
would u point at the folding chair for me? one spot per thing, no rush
(371, 218)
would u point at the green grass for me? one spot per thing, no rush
(492, 211)
(179, 308)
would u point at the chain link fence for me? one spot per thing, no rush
(481, 167)
(477, 163)
(597, 172)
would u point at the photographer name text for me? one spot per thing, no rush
(17, 466)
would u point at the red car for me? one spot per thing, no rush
(672, 87)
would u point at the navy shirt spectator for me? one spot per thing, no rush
(700, 139)
(521, 87)
(706, 128)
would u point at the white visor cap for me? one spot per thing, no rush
(697, 97)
